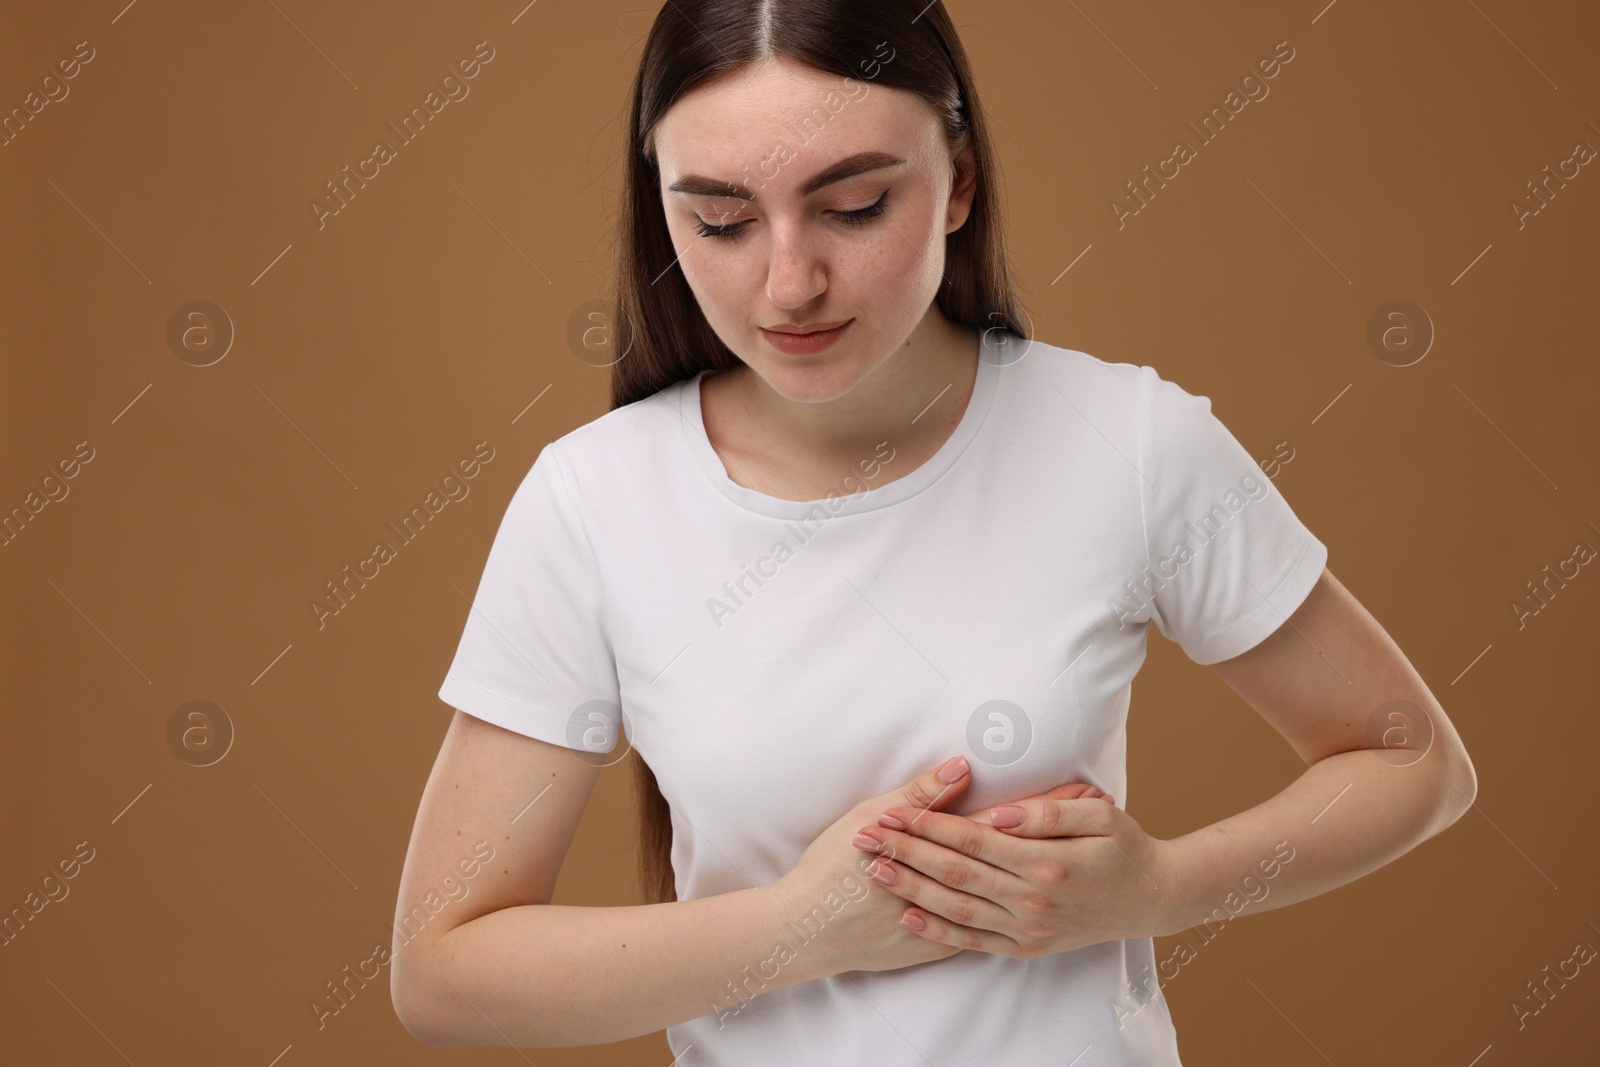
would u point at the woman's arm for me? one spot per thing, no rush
(482, 957)
(553, 976)
(1387, 769)
(492, 962)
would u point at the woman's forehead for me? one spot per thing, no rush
(734, 127)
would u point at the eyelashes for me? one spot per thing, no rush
(706, 230)
(859, 217)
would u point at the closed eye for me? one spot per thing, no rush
(858, 217)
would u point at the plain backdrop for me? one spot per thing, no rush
(343, 363)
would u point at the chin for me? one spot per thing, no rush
(809, 379)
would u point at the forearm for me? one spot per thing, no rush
(1345, 816)
(553, 976)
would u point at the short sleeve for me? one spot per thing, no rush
(534, 656)
(1227, 558)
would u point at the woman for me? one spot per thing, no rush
(841, 523)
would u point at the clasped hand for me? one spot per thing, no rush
(1075, 870)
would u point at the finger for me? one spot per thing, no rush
(1064, 791)
(937, 928)
(1055, 818)
(1069, 792)
(954, 837)
(972, 921)
(1091, 793)
(933, 788)
(950, 868)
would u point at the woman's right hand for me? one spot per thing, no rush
(829, 886)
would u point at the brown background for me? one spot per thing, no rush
(370, 355)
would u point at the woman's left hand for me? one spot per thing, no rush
(1076, 871)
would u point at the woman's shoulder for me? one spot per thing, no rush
(1117, 387)
(1032, 357)
(1104, 391)
(624, 444)
(603, 431)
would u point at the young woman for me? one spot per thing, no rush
(842, 524)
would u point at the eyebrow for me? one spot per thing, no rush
(848, 167)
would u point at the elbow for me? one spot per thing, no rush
(415, 1009)
(415, 1021)
(423, 1003)
(1460, 787)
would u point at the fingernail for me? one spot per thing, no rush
(891, 822)
(882, 873)
(913, 921)
(1006, 815)
(953, 769)
(871, 844)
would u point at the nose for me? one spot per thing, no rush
(796, 274)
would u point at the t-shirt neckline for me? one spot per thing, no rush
(695, 439)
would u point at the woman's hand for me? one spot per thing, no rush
(1076, 870)
(856, 920)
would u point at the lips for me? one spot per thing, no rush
(813, 339)
(803, 330)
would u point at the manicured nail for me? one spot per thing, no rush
(882, 873)
(871, 844)
(891, 822)
(913, 921)
(1006, 815)
(953, 769)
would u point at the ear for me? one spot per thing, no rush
(963, 186)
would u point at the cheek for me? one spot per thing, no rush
(714, 279)
(906, 258)
(897, 254)
(912, 244)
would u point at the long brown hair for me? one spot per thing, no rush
(659, 328)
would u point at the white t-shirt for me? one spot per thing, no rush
(776, 661)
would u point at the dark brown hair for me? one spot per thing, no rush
(659, 328)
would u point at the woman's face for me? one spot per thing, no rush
(867, 247)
